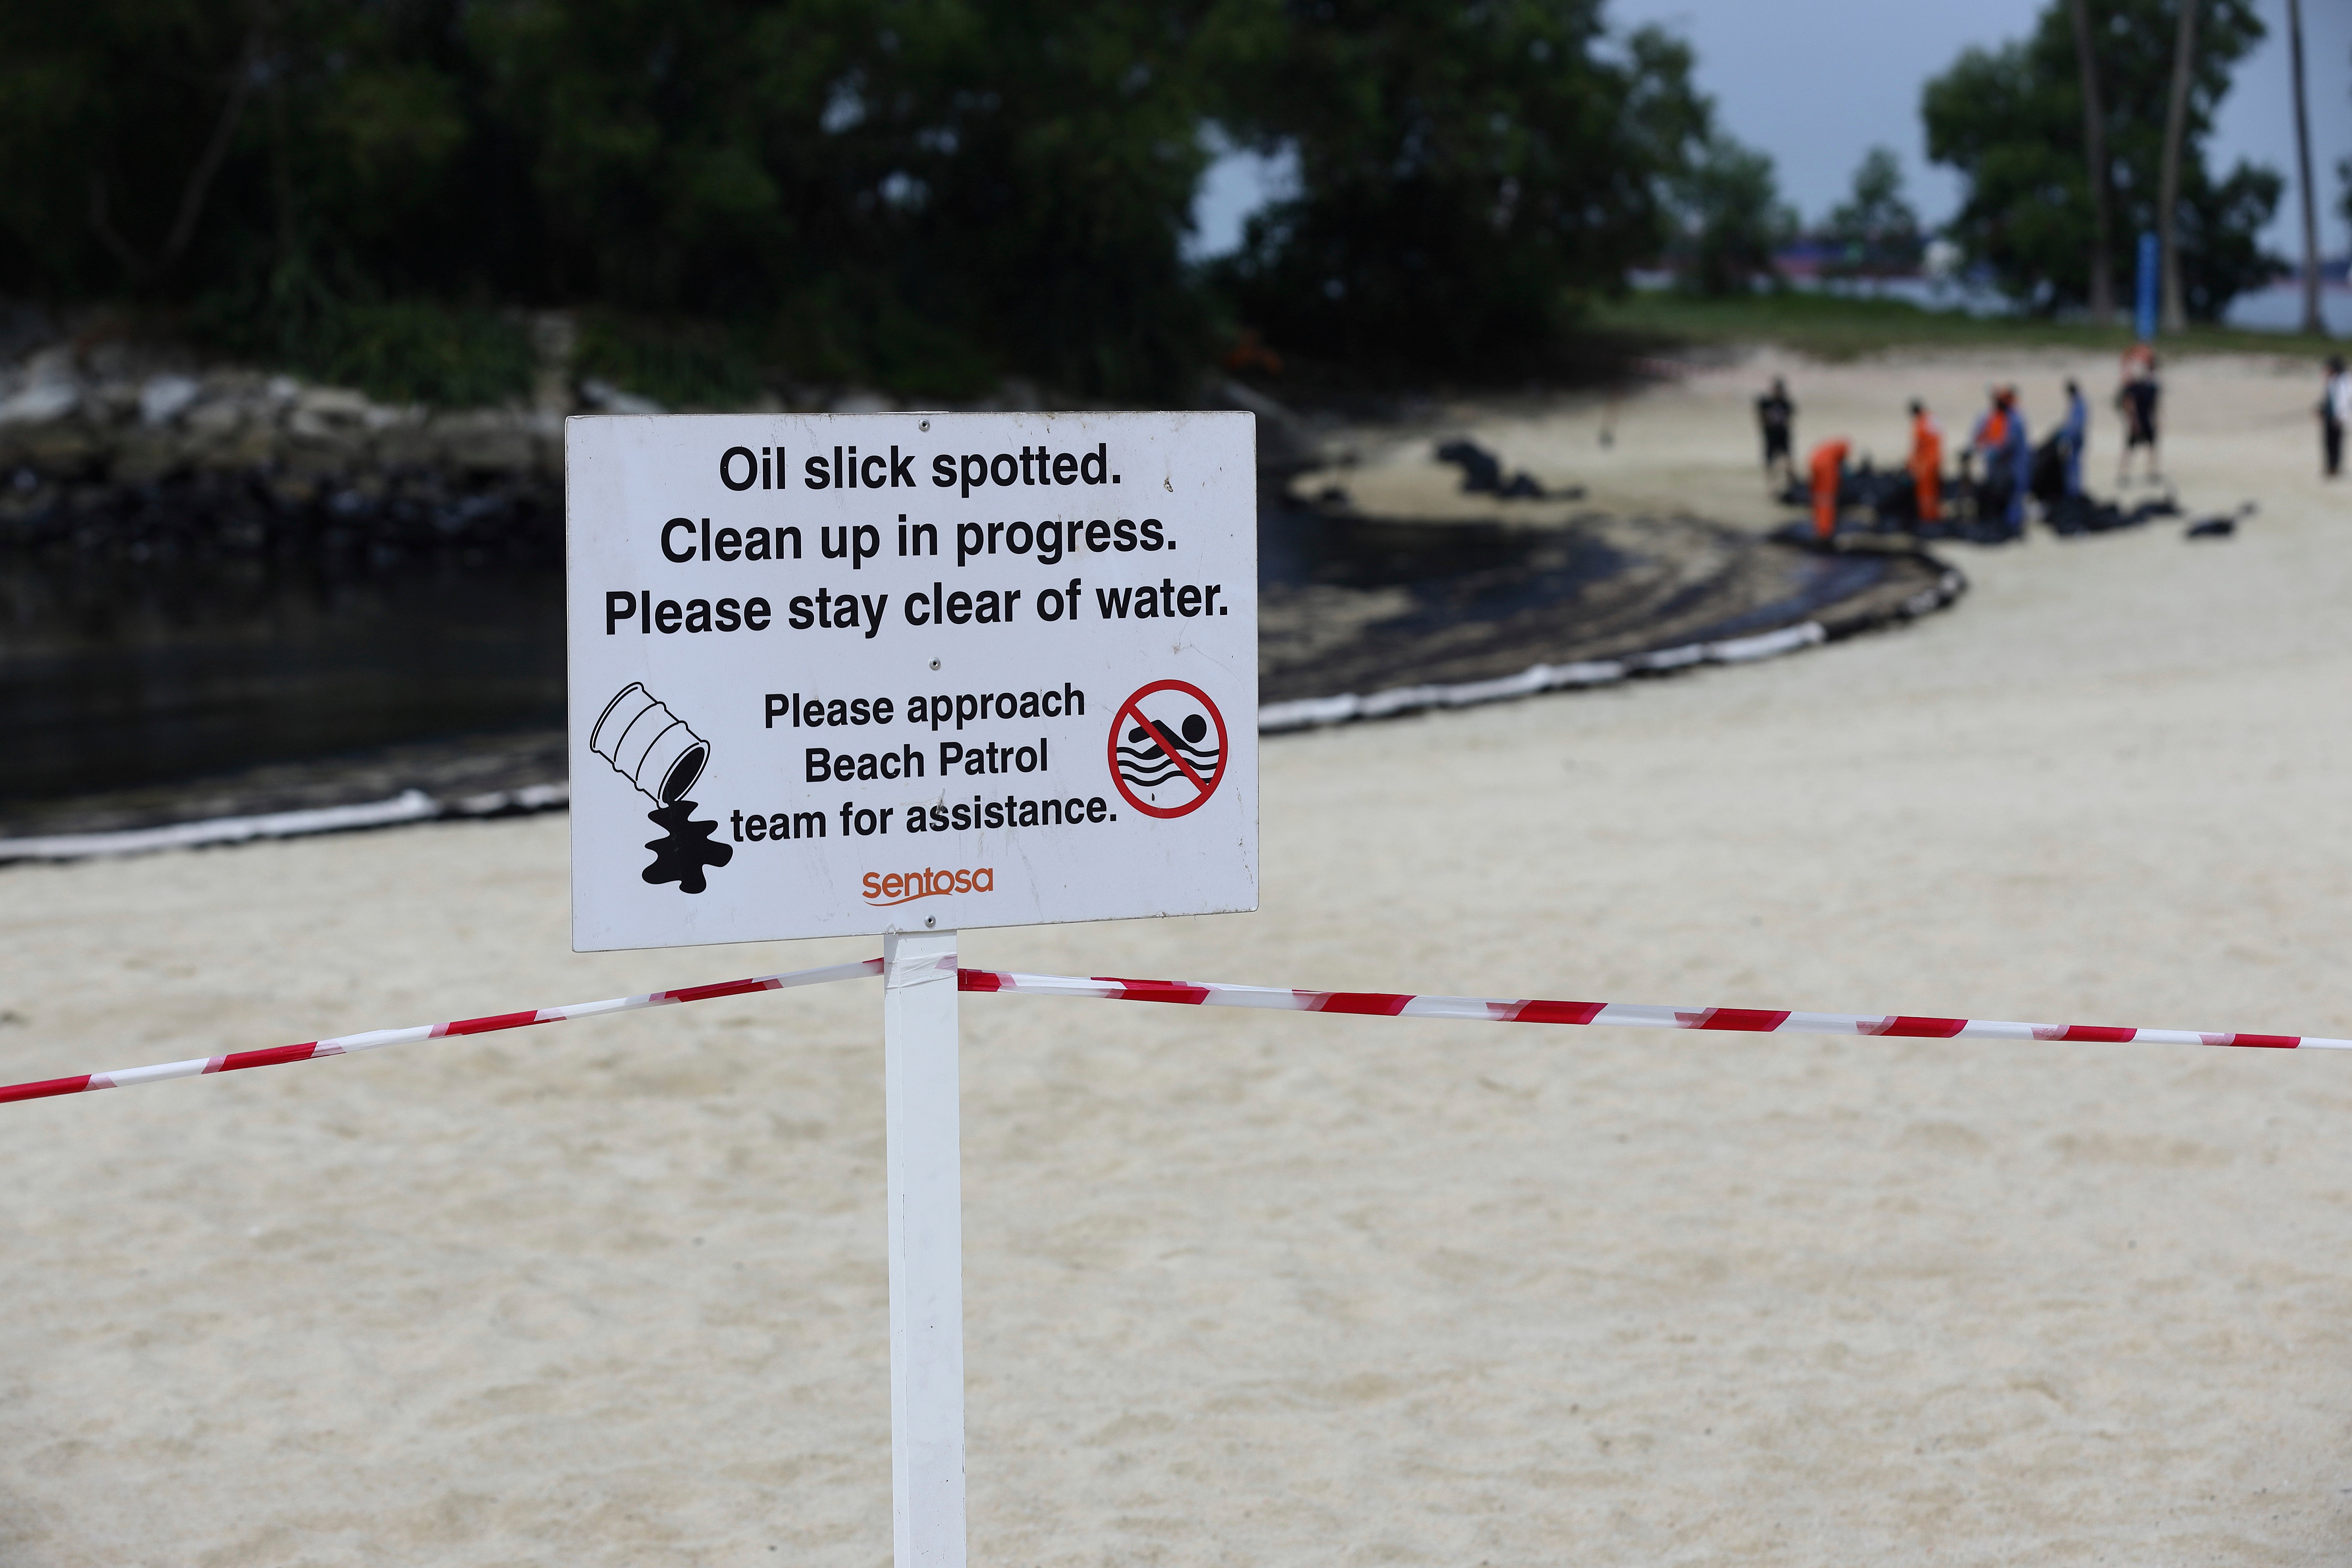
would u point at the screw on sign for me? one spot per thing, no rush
(1162, 755)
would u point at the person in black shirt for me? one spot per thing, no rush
(2137, 399)
(1776, 416)
(2335, 409)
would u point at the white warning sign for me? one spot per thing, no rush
(843, 674)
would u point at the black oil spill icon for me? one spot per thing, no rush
(686, 848)
(653, 750)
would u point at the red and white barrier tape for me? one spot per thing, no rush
(1604, 1014)
(277, 1056)
(1184, 993)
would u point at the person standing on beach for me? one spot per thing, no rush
(2137, 397)
(2021, 463)
(1776, 416)
(2335, 413)
(1828, 475)
(2073, 435)
(1999, 440)
(1927, 464)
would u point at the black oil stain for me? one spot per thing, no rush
(684, 848)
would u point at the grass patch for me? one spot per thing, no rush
(1827, 327)
(449, 356)
(679, 364)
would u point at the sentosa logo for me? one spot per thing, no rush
(906, 887)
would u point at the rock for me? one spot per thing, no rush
(410, 444)
(251, 445)
(218, 419)
(554, 339)
(605, 398)
(56, 449)
(332, 405)
(165, 397)
(317, 454)
(485, 442)
(1285, 444)
(379, 417)
(41, 402)
(111, 403)
(145, 454)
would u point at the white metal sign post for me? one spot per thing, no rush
(925, 1178)
(904, 673)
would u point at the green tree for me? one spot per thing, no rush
(2010, 120)
(932, 193)
(1469, 174)
(151, 149)
(1733, 218)
(1874, 230)
(929, 194)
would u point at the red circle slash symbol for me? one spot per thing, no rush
(1163, 753)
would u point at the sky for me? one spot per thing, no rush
(1765, 65)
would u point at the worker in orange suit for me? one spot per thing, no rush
(1927, 462)
(1829, 467)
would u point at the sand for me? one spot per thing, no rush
(1269, 1288)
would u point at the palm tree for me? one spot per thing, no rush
(2176, 123)
(2312, 322)
(2094, 153)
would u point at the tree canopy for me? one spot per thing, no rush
(925, 193)
(2010, 120)
(1470, 173)
(1874, 230)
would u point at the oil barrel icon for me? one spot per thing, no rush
(649, 745)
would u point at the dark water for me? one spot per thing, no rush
(114, 675)
(217, 624)
(210, 640)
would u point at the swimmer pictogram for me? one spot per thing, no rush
(1167, 748)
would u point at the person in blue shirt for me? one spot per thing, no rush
(2008, 456)
(2073, 434)
(2021, 465)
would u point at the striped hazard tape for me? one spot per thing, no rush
(1605, 1015)
(349, 1045)
(1209, 994)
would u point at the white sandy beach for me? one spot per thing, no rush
(1264, 1289)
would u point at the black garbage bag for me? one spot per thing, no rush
(2078, 513)
(1890, 495)
(1482, 472)
(2047, 482)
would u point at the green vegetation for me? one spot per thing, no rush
(1875, 229)
(741, 198)
(1470, 173)
(1833, 328)
(2011, 120)
(1734, 218)
(924, 195)
(688, 365)
(405, 352)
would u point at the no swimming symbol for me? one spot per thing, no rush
(1167, 748)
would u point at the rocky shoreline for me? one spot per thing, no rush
(123, 452)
